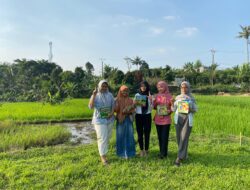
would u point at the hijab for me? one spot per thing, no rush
(188, 95)
(122, 102)
(166, 92)
(106, 97)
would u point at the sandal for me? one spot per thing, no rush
(177, 162)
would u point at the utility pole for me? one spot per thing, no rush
(50, 53)
(212, 66)
(248, 42)
(102, 59)
(213, 52)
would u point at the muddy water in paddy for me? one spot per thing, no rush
(82, 132)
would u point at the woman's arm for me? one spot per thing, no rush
(92, 99)
(193, 107)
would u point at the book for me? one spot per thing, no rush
(162, 110)
(183, 107)
(141, 100)
(104, 112)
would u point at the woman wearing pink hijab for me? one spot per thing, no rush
(162, 119)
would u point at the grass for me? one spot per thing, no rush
(222, 115)
(216, 114)
(211, 165)
(14, 137)
(216, 159)
(73, 109)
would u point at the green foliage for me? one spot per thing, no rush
(222, 115)
(22, 137)
(55, 99)
(214, 151)
(29, 80)
(207, 89)
(78, 167)
(73, 109)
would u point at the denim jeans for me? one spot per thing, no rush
(125, 142)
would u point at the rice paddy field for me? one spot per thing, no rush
(216, 160)
(72, 109)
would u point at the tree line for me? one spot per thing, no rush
(39, 80)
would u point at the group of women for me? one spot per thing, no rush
(124, 110)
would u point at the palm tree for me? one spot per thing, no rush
(137, 61)
(245, 33)
(197, 65)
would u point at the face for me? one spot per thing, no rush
(104, 87)
(125, 92)
(160, 89)
(184, 89)
(143, 88)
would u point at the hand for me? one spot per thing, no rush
(110, 115)
(172, 101)
(150, 97)
(94, 92)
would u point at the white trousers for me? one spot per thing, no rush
(103, 133)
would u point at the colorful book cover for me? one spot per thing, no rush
(183, 107)
(162, 110)
(141, 100)
(104, 112)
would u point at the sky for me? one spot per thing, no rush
(161, 32)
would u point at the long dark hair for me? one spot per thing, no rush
(146, 92)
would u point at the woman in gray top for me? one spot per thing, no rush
(184, 107)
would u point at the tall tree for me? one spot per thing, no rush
(245, 33)
(168, 74)
(89, 68)
(145, 68)
(137, 61)
(197, 65)
(128, 62)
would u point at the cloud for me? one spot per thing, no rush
(170, 17)
(125, 20)
(187, 31)
(156, 30)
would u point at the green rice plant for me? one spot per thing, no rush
(79, 167)
(216, 114)
(23, 137)
(73, 109)
(222, 115)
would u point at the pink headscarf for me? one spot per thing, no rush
(165, 95)
(164, 85)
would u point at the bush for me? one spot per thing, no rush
(215, 89)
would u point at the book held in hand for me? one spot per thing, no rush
(104, 112)
(183, 107)
(141, 100)
(162, 110)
